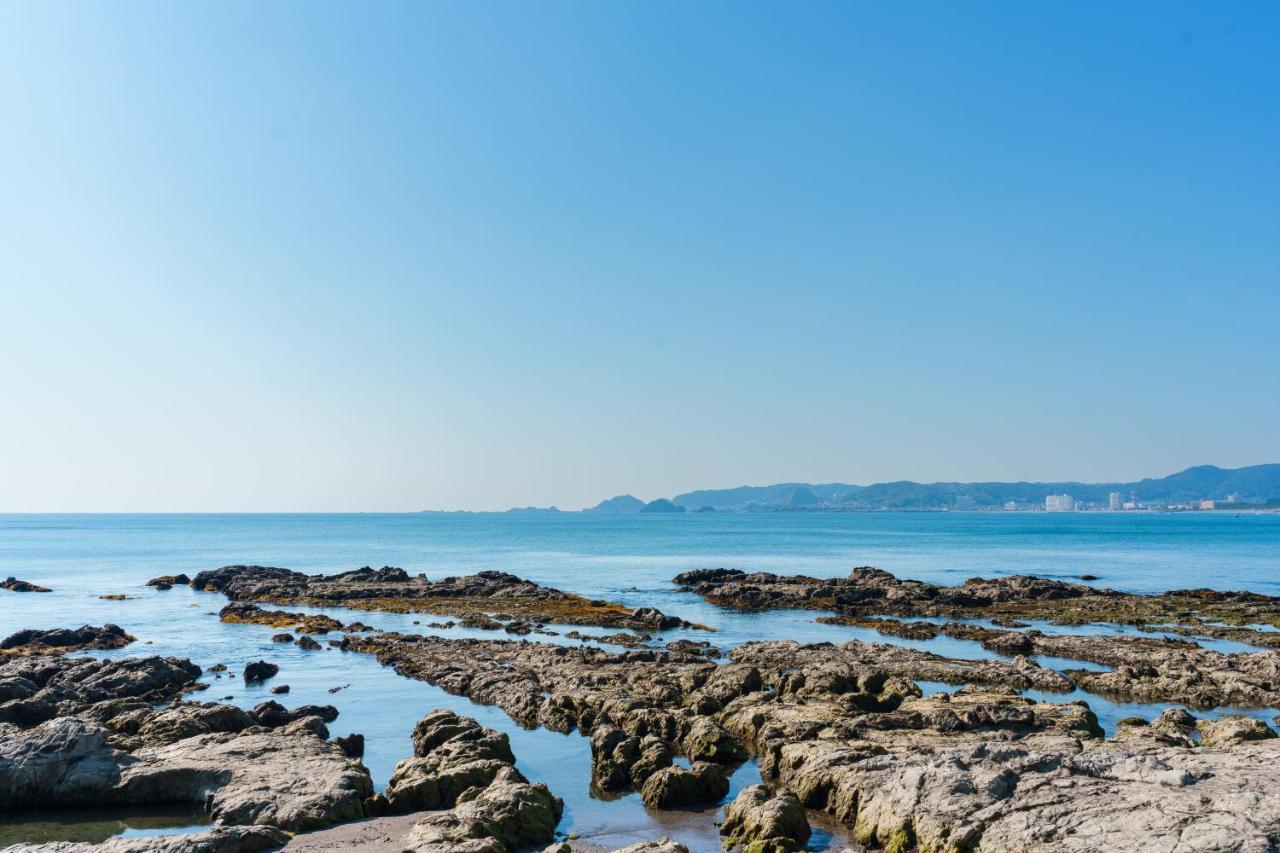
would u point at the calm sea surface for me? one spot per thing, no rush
(624, 558)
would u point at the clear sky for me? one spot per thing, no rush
(394, 256)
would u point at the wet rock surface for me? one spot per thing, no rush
(33, 641)
(393, 589)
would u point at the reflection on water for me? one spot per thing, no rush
(97, 825)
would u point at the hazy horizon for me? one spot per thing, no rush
(323, 257)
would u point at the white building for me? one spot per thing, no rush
(1010, 506)
(1113, 501)
(1059, 503)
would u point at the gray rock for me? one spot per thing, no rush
(765, 822)
(673, 787)
(509, 814)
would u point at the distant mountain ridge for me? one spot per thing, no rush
(1253, 484)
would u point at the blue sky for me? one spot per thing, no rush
(390, 256)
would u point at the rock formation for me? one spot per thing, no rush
(58, 641)
(393, 589)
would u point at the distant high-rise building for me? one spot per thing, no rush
(1060, 503)
(1010, 506)
(1113, 500)
(1208, 504)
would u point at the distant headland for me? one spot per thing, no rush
(1200, 488)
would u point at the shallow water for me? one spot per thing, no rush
(630, 559)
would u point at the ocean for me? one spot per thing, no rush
(626, 558)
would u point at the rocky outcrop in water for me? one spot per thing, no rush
(868, 592)
(481, 595)
(56, 641)
(169, 581)
(259, 671)
(37, 688)
(302, 623)
(1145, 669)
(14, 585)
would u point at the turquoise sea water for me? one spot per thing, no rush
(624, 558)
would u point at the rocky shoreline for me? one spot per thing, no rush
(838, 730)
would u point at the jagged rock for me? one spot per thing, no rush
(509, 814)
(259, 671)
(765, 822)
(707, 741)
(1229, 731)
(619, 760)
(282, 638)
(14, 585)
(850, 661)
(220, 839)
(279, 690)
(352, 745)
(308, 644)
(673, 787)
(56, 641)
(36, 688)
(451, 755)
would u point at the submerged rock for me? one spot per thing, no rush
(14, 585)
